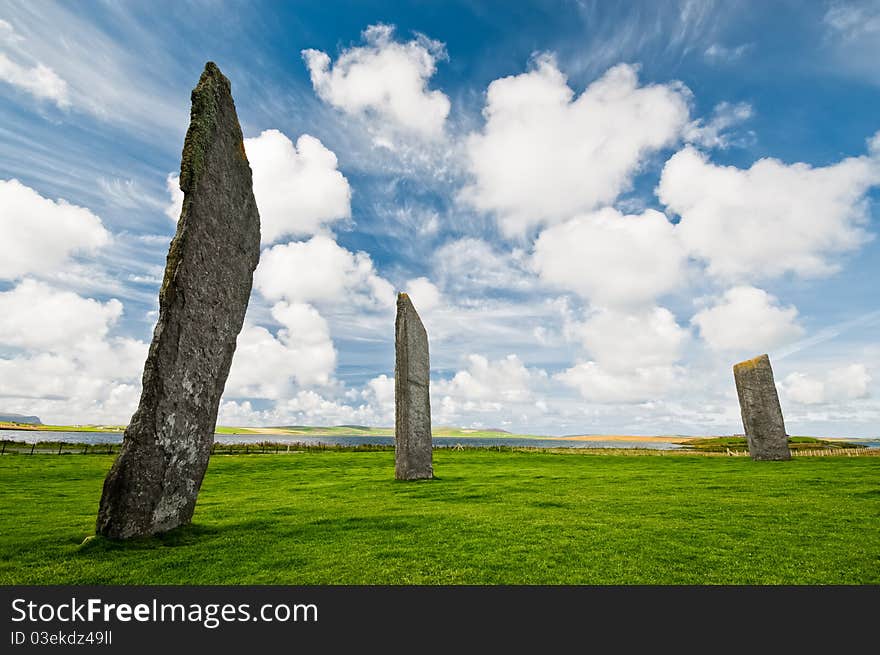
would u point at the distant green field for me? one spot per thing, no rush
(348, 430)
(301, 430)
(7, 425)
(490, 517)
(738, 444)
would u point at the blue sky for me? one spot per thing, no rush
(597, 207)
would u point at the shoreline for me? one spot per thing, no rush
(625, 437)
(389, 432)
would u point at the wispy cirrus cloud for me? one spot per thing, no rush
(118, 85)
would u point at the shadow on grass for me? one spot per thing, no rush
(346, 523)
(186, 535)
(417, 482)
(549, 504)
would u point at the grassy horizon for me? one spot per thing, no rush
(490, 517)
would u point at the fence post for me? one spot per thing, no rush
(4, 447)
(60, 444)
(34, 445)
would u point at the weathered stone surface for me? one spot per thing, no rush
(154, 482)
(761, 412)
(412, 403)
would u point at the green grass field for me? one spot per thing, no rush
(491, 517)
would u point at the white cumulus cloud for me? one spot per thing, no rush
(423, 293)
(633, 355)
(748, 321)
(384, 78)
(64, 363)
(837, 385)
(34, 315)
(381, 390)
(544, 155)
(612, 259)
(849, 382)
(628, 340)
(596, 383)
(298, 188)
(39, 235)
(485, 386)
(267, 366)
(771, 218)
(321, 271)
(803, 389)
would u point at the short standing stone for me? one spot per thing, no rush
(761, 413)
(153, 484)
(412, 415)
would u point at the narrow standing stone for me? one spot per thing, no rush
(412, 403)
(761, 413)
(153, 484)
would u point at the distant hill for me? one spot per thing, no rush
(319, 427)
(21, 418)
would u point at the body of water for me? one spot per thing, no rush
(31, 436)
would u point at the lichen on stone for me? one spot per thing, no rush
(174, 255)
(203, 124)
(749, 363)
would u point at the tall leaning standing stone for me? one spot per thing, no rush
(153, 484)
(412, 404)
(761, 412)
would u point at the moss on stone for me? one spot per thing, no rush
(174, 254)
(202, 126)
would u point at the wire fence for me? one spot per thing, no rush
(812, 452)
(826, 452)
(12, 447)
